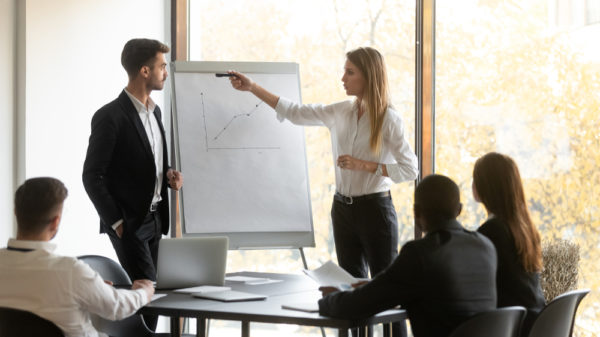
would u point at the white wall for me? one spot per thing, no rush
(73, 50)
(7, 115)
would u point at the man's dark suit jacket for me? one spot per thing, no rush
(119, 173)
(441, 280)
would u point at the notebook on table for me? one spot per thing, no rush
(192, 261)
(230, 296)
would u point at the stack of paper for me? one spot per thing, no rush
(250, 280)
(331, 275)
(327, 275)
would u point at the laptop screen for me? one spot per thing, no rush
(191, 261)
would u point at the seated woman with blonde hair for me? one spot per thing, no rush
(497, 184)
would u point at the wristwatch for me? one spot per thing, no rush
(379, 170)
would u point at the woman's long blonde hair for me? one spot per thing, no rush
(497, 182)
(375, 98)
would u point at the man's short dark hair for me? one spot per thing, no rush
(37, 202)
(437, 198)
(140, 52)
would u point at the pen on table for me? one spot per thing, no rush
(224, 75)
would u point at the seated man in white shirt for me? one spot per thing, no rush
(60, 289)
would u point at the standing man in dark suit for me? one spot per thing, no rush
(441, 280)
(126, 172)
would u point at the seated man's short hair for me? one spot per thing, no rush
(437, 197)
(37, 202)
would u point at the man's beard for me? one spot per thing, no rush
(159, 85)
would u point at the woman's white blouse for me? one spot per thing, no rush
(350, 136)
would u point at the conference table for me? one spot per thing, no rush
(283, 289)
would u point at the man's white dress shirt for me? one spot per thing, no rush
(61, 289)
(350, 136)
(154, 137)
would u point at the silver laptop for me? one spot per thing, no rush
(192, 261)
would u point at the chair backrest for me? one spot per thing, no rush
(558, 317)
(501, 322)
(107, 268)
(15, 322)
(110, 270)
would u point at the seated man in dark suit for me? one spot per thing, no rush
(441, 279)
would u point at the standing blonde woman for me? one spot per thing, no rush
(371, 153)
(497, 184)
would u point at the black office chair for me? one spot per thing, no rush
(132, 326)
(108, 269)
(502, 322)
(15, 322)
(558, 317)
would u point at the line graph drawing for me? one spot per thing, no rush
(226, 126)
(247, 114)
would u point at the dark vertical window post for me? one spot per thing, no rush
(179, 30)
(425, 90)
(179, 52)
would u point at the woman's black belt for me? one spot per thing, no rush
(350, 200)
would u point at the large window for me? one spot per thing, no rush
(316, 34)
(507, 80)
(510, 77)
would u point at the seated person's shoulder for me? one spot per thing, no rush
(56, 260)
(475, 236)
(485, 241)
(416, 245)
(482, 244)
(72, 265)
(495, 230)
(468, 240)
(419, 249)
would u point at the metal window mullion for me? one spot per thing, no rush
(179, 30)
(179, 52)
(425, 90)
